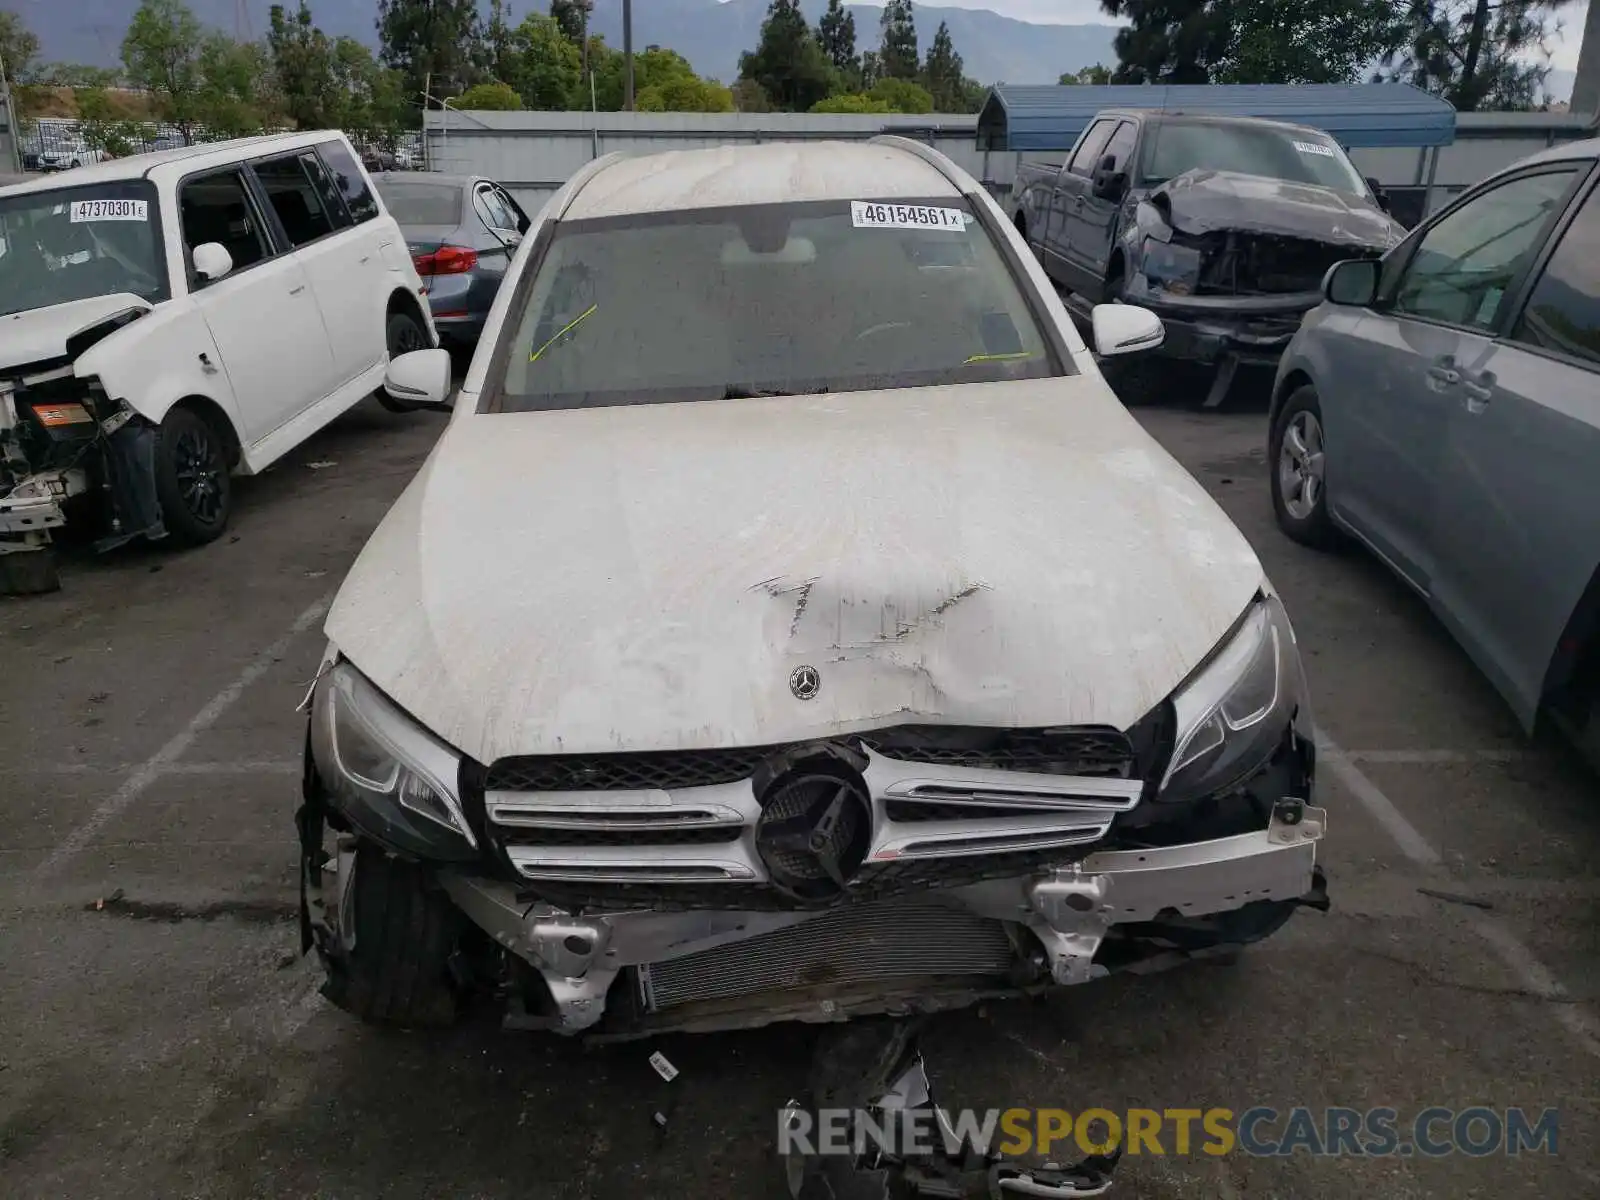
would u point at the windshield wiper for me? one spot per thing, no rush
(734, 392)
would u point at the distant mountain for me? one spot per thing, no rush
(711, 35)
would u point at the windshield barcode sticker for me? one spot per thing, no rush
(109, 210)
(1313, 148)
(865, 214)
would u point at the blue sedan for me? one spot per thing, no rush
(462, 231)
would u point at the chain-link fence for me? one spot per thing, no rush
(60, 143)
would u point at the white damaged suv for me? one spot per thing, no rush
(170, 318)
(791, 624)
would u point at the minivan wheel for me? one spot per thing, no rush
(403, 931)
(1299, 470)
(193, 482)
(403, 334)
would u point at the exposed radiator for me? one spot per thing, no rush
(856, 944)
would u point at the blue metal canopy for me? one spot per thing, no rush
(1358, 114)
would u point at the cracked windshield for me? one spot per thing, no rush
(77, 243)
(772, 299)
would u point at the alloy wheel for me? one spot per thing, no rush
(1301, 463)
(197, 465)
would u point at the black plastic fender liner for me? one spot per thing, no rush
(310, 821)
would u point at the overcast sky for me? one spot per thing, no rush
(1079, 12)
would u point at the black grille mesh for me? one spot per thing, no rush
(1086, 751)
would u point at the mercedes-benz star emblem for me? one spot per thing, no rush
(813, 834)
(805, 682)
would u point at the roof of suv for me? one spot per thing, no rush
(143, 166)
(769, 173)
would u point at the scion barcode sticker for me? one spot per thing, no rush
(866, 214)
(1313, 148)
(109, 210)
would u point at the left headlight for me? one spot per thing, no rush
(384, 771)
(1233, 713)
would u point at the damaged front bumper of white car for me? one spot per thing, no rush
(899, 870)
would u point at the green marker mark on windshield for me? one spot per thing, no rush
(987, 358)
(563, 331)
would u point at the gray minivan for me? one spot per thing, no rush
(1442, 406)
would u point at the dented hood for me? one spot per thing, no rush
(647, 577)
(1203, 201)
(40, 334)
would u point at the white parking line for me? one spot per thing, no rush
(1519, 960)
(164, 760)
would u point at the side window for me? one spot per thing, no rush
(1088, 152)
(218, 208)
(327, 191)
(300, 210)
(1121, 145)
(352, 184)
(519, 219)
(504, 218)
(488, 212)
(1466, 263)
(1563, 312)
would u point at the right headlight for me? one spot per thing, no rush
(1232, 714)
(389, 776)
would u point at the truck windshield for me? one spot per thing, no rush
(74, 243)
(724, 303)
(1294, 155)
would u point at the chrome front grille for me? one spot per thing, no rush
(862, 944)
(606, 845)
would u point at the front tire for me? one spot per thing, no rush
(1298, 464)
(402, 334)
(193, 481)
(397, 972)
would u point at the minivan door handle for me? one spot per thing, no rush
(295, 291)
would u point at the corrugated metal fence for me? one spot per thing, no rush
(533, 153)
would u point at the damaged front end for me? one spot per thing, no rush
(900, 870)
(1231, 263)
(66, 448)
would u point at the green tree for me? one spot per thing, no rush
(370, 100)
(684, 95)
(550, 71)
(851, 102)
(303, 61)
(871, 68)
(902, 95)
(488, 97)
(19, 48)
(1098, 75)
(788, 62)
(161, 55)
(233, 98)
(434, 44)
(1474, 53)
(748, 97)
(1253, 41)
(836, 34)
(944, 74)
(572, 18)
(499, 44)
(102, 127)
(898, 52)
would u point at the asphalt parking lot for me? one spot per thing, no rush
(159, 1034)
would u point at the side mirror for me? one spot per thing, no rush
(212, 261)
(1108, 182)
(1379, 193)
(1125, 329)
(1354, 282)
(420, 377)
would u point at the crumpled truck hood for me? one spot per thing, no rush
(650, 577)
(1202, 201)
(40, 334)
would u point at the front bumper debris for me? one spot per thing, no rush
(633, 973)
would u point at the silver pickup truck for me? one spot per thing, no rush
(1223, 226)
